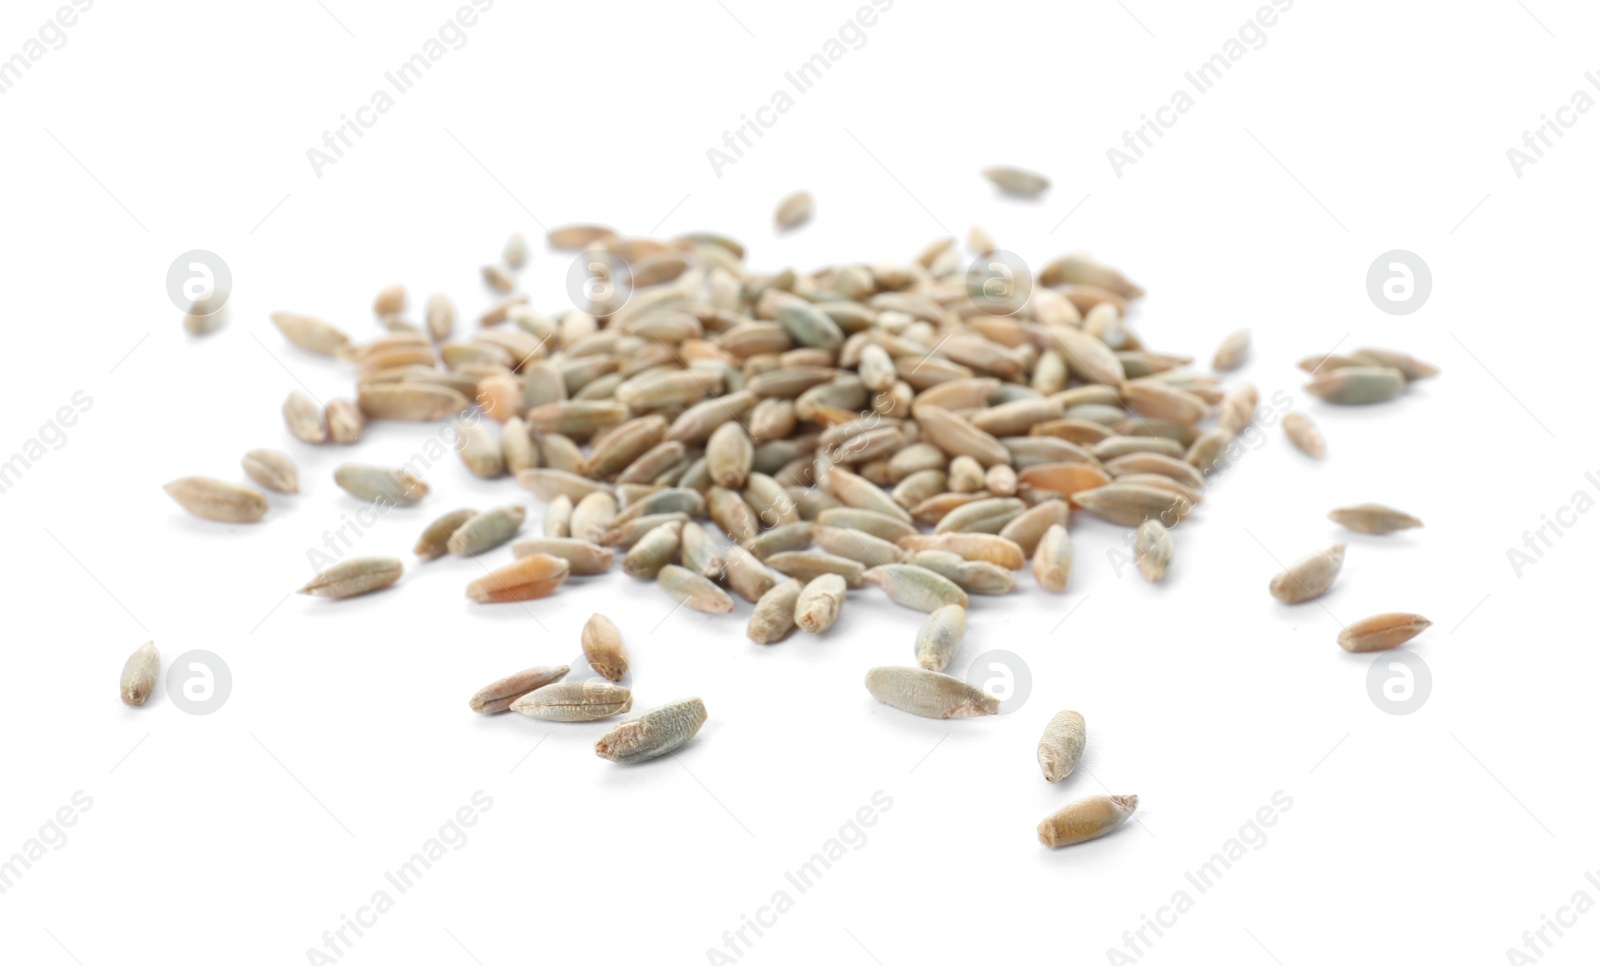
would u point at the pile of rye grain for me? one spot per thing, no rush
(789, 437)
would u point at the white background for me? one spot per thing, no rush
(241, 836)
